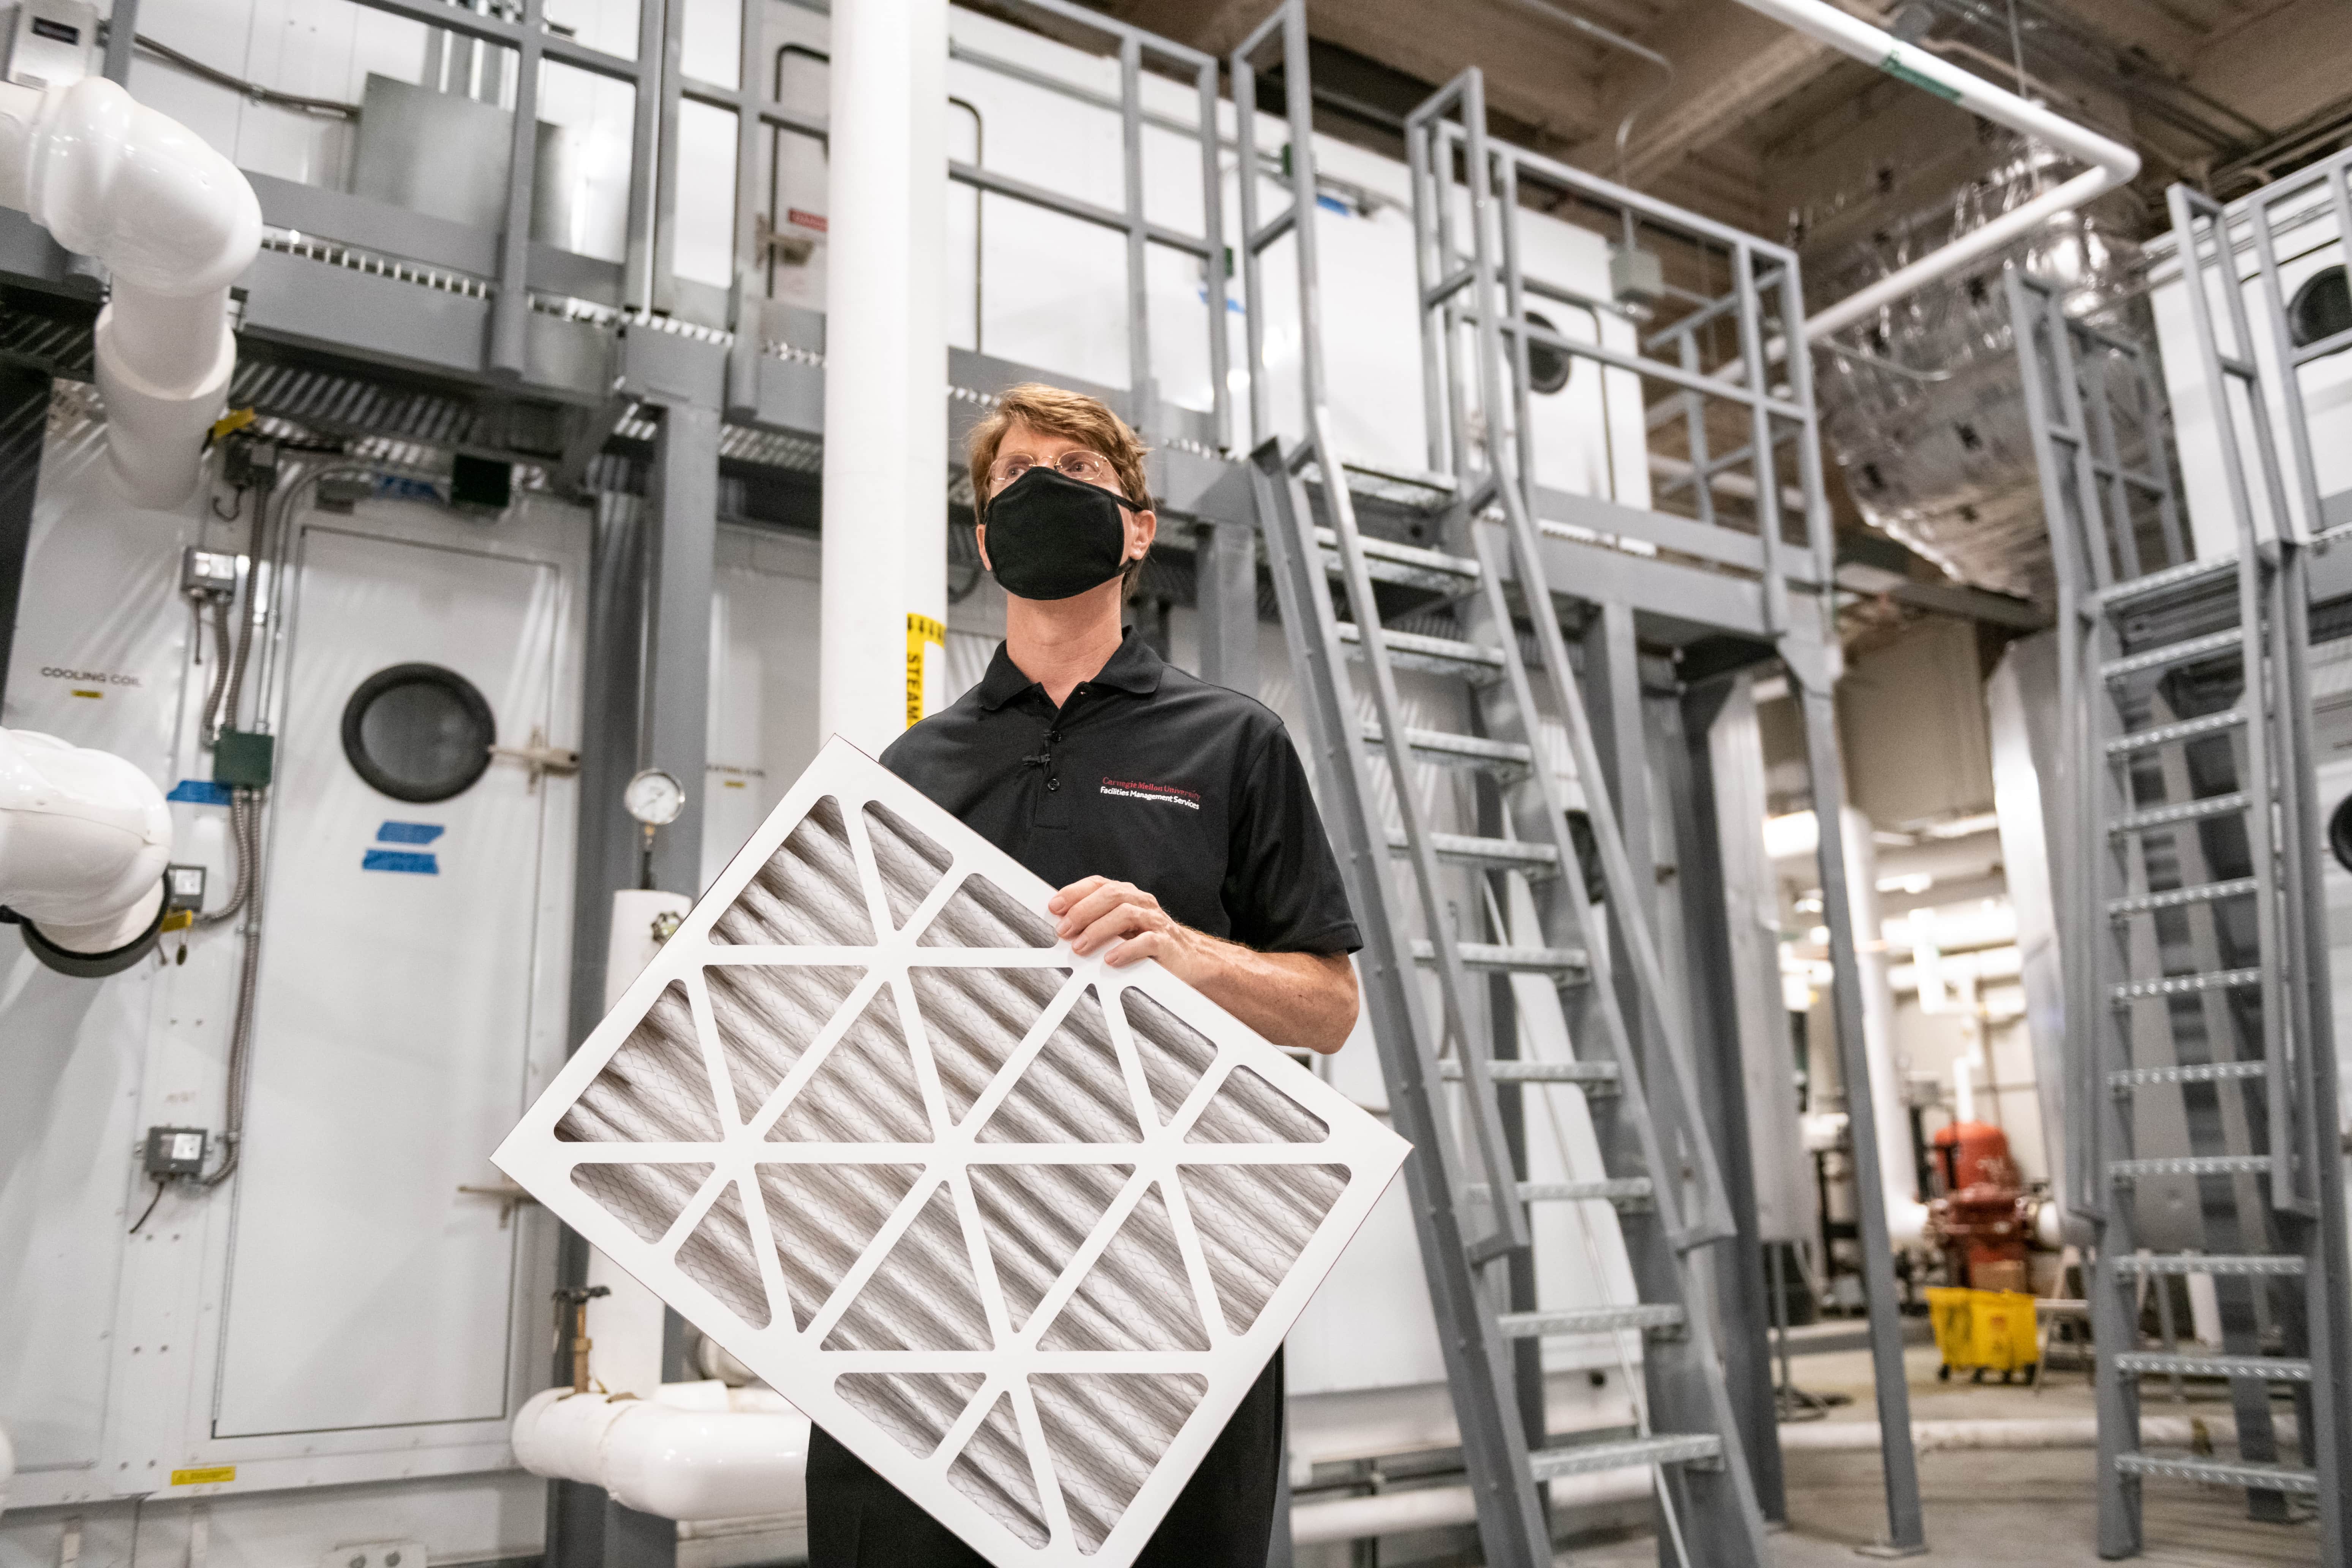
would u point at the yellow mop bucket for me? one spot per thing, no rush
(1986, 1330)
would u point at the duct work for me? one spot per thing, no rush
(1927, 419)
(175, 223)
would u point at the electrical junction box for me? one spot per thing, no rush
(51, 42)
(243, 759)
(183, 888)
(1636, 277)
(207, 574)
(172, 1153)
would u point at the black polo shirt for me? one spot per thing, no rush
(1194, 794)
(1148, 776)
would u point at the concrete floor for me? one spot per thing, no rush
(1991, 1508)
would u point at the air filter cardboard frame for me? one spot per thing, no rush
(789, 1350)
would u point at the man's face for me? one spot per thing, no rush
(1024, 440)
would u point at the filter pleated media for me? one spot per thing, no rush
(1018, 1228)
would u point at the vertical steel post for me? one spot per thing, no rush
(1143, 395)
(510, 306)
(121, 38)
(1905, 1529)
(1225, 571)
(1217, 269)
(747, 313)
(646, 141)
(1744, 1308)
(677, 641)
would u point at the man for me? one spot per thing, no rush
(1175, 819)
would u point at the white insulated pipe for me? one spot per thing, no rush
(84, 838)
(175, 223)
(2030, 1432)
(884, 578)
(694, 1451)
(1316, 1521)
(2111, 163)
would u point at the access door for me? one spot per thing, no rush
(406, 936)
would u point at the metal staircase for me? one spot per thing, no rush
(1473, 1204)
(2202, 1118)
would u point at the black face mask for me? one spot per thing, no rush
(1053, 537)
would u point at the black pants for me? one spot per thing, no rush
(1221, 1519)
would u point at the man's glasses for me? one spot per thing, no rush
(1086, 468)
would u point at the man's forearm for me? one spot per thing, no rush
(1305, 999)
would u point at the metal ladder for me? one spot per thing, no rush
(2196, 952)
(1473, 1246)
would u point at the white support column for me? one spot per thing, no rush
(885, 435)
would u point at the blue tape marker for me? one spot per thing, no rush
(409, 832)
(200, 791)
(1334, 204)
(412, 860)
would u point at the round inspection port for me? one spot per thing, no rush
(418, 733)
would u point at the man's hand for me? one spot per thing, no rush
(1097, 910)
(1292, 998)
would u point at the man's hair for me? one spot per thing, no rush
(1052, 411)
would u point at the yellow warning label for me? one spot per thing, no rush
(920, 630)
(210, 1476)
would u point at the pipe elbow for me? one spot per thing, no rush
(84, 834)
(113, 179)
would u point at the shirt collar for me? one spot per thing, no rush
(1135, 668)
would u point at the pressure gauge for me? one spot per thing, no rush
(655, 797)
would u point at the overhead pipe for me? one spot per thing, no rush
(175, 223)
(2112, 164)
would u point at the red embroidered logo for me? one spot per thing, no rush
(1136, 789)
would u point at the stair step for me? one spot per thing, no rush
(1465, 850)
(2183, 811)
(1590, 1458)
(2199, 1072)
(1460, 751)
(1387, 562)
(1615, 1190)
(1515, 1071)
(2191, 1165)
(1493, 957)
(2174, 898)
(2166, 734)
(2170, 577)
(2184, 985)
(1414, 651)
(1588, 1321)
(2222, 1472)
(2172, 653)
(2208, 1263)
(2270, 1368)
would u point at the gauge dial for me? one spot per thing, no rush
(654, 797)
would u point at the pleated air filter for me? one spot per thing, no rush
(1018, 1228)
